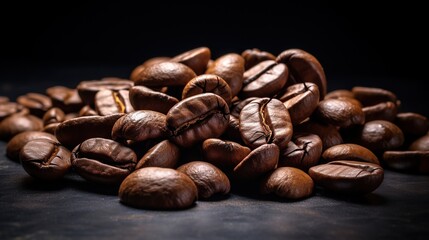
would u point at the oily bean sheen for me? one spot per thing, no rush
(103, 161)
(379, 135)
(165, 74)
(302, 152)
(15, 144)
(349, 151)
(197, 59)
(288, 182)
(164, 154)
(254, 56)
(158, 188)
(264, 121)
(339, 112)
(209, 179)
(304, 67)
(407, 161)
(347, 177)
(53, 115)
(260, 161)
(37, 103)
(151, 61)
(9, 108)
(300, 100)
(65, 98)
(381, 111)
(264, 79)
(45, 159)
(18, 123)
(340, 93)
(139, 126)
(72, 132)
(208, 83)
(230, 67)
(143, 98)
(421, 144)
(224, 154)
(88, 89)
(412, 123)
(87, 111)
(369, 96)
(238, 105)
(109, 102)
(197, 118)
(328, 133)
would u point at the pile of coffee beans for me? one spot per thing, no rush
(189, 127)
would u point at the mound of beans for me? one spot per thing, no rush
(187, 128)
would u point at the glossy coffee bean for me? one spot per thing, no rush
(37, 103)
(87, 111)
(413, 124)
(232, 131)
(260, 161)
(165, 74)
(381, 111)
(65, 98)
(143, 98)
(304, 67)
(254, 56)
(238, 105)
(88, 89)
(264, 79)
(302, 152)
(209, 179)
(74, 131)
(151, 61)
(108, 102)
(328, 133)
(339, 112)
(208, 83)
(301, 100)
(53, 115)
(45, 159)
(196, 59)
(18, 123)
(348, 177)
(288, 182)
(369, 96)
(164, 154)
(15, 144)
(9, 108)
(104, 161)
(340, 93)
(349, 151)
(51, 128)
(264, 121)
(420, 144)
(230, 67)
(407, 161)
(224, 154)
(197, 118)
(158, 188)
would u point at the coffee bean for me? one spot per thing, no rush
(264, 121)
(4, 99)
(197, 118)
(15, 144)
(45, 159)
(209, 179)
(18, 123)
(143, 98)
(238, 105)
(420, 144)
(288, 182)
(109, 102)
(151, 61)
(349, 151)
(37, 103)
(65, 98)
(53, 115)
(347, 177)
(340, 93)
(88, 89)
(208, 83)
(87, 111)
(407, 161)
(103, 161)
(197, 59)
(158, 188)
(9, 108)
(264, 79)
(164, 154)
(232, 131)
(254, 56)
(302, 152)
(413, 124)
(328, 133)
(339, 112)
(224, 154)
(381, 111)
(369, 96)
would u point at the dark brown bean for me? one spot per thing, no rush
(224, 154)
(328, 133)
(18, 123)
(340, 93)
(254, 56)
(232, 131)
(302, 152)
(164, 154)
(339, 112)
(15, 144)
(238, 105)
(208, 83)
(151, 61)
(108, 102)
(381, 111)
(9, 108)
(88, 89)
(369, 96)
(420, 144)
(165, 74)
(407, 161)
(37, 103)
(349, 151)
(87, 111)
(197, 59)
(53, 115)
(413, 124)
(65, 98)
(143, 98)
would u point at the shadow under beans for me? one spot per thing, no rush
(216, 198)
(84, 185)
(369, 199)
(30, 183)
(160, 209)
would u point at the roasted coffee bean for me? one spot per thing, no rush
(88, 89)
(288, 182)
(158, 188)
(348, 177)
(378, 136)
(197, 59)
(339, 112)
(421, 144)
(413, 124)
(224, 154)
(209, 179)
(302, 152)
(104, 161)
(9, 108)
(328, 133)
(300, 100)
(45, 159)
(407, 161)
(4, 99)
(143, 98)
(15, 144)
(139, 126)
(349, 151)
(381, 111)
(259, 161)
(208, 83)
(53, 115)
(238, 105)
(264, 121)
(164, 154)
(370, 96)
(197, 118)
(18, 123)
(151, 61)
(87, 111)
(65, 98)
(340, 93)
(165, 74)
(232, 131)
(37, 103)
(230, 67)
(108, 102)
(254, 56)
(304, 67)
(69, 116)
(51, 128)
(74, 131)
(264, 79)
